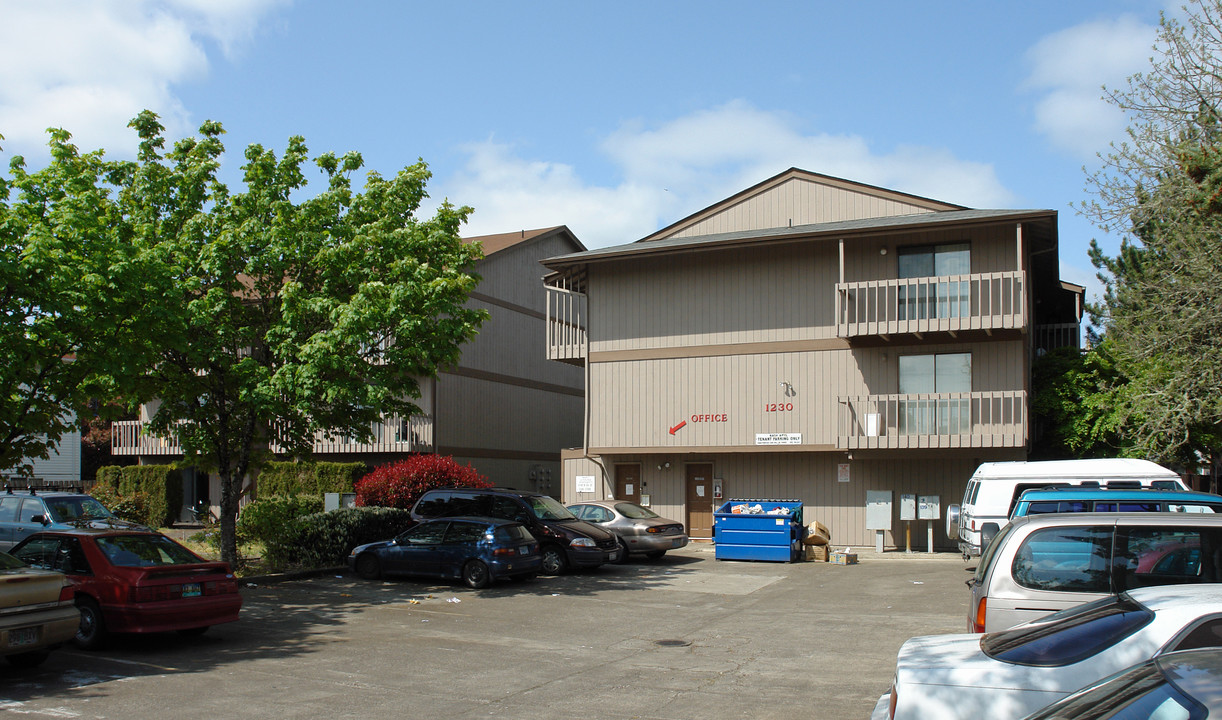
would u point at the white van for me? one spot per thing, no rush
(994, 488)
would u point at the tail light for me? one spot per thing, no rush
(66, 594)
(504, 552)
(977, 624)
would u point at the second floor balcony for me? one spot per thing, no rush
(943, 420)
(950, 304)
(566, 325)
(394, 433)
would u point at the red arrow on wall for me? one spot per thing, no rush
(678, 427)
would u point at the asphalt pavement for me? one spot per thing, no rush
(686, 636)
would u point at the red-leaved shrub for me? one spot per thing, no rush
(400, 484)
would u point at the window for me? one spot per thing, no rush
(1206, 635)
(31, 509)
(465, 533)
(1068, 636)
(8, 509)
(425, 534)
(1167, 555)
(507, 508)
(941, 375)
(144, 551)
(942, 299)
(1065, 559)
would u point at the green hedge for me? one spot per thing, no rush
(308, 478)
(269, 521)
(325, 539)
(160, 486)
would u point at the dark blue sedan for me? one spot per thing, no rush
(474, 549)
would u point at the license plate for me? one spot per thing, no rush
(190, 590)
(22, 636)
(676, 543)
(524, 550)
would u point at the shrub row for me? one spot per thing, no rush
(148, 494)
(400, 484)
(308, 478)
(318, 539)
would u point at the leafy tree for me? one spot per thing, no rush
(1076, 400)
(274, 318)
(1162, 294)
(67, 305)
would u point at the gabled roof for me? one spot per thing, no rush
(502, 241)
(780, 188)
(821, 231)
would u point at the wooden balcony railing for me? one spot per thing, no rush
(393, 433)
(566, 325)
(1052, 337)
(950, 420)
(129, 437)
(983, 301)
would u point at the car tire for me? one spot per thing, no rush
(28, 659)
(554, 561)
(655, 554)
(623, 552)
(91, 634)
(475, 574)
(368, 567)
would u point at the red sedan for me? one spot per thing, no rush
(128, 581)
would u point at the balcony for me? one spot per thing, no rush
(951, 420)
(950, 304)
(566, 325)
(393, 434)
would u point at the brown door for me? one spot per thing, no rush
(628, 482)
(700, 500)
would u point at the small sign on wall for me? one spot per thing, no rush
(778, 438)
(842, 472)
(585, 483)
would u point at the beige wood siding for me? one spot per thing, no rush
(799, 201)
(491, 415)
(636, 403)
(747, 295)
(812, 478)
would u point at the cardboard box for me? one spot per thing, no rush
(843, 558)
(817, 553)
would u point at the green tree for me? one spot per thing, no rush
(274, 318)
(1162, 294)
(67, 311)
(1076, 401)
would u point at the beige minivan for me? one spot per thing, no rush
(1043, 563)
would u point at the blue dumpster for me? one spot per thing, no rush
(768, 530)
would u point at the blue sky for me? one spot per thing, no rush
(612, 118)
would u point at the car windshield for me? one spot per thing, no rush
(547, 508)
(635, 512)
(1139, 693)
(69, 509)
(1069, 636)
(8, 562)
(145, 551)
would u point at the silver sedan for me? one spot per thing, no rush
(639, 529)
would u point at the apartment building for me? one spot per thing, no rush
(810, 338)
(504, 409)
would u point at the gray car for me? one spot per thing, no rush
(639, 529)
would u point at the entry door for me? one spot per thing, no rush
(628, 482)
(700, 500)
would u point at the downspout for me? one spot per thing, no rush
(585, 439)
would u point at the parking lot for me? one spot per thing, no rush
(686, 636)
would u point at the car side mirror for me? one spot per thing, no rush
(42, 519)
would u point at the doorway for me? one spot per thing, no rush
(628, 482)
(700, 500)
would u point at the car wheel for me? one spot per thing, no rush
(91, 633)
(28, 659)
(554, 562)
(193, 632)
(368, 567)
(623, 551)
(655, 554)
(475, 574)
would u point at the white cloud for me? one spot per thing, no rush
(89, 66)
(688, 163)
(1069, 69)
